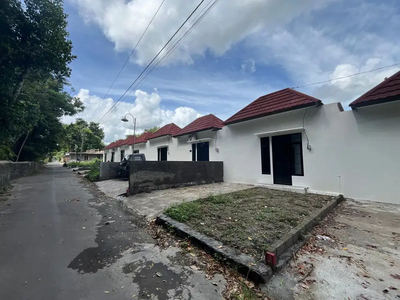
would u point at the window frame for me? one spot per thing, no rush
(300, 143)
(268, 154)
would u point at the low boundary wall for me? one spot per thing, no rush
(146, 176)
(12, 170)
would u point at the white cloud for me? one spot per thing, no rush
(146, 109)
(249, 65)
(309, 46)
(123, 22)
(348, 89)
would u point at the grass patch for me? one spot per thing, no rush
(249, 220)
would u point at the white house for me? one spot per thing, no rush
(289, 139)
(198, 141)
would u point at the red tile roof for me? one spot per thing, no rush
(109, 146)
(203, 123)
(388, 90)
(276, 102)
(141, 139)
(169, 129)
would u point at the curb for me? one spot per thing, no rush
(292, 237)
(245, 264)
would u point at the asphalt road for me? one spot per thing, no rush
(60, 238)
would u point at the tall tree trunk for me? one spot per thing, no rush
(22, 146)
(20, 85)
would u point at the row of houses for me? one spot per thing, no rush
(288, 138)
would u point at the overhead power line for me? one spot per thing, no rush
(199, 18)
(127, 60)
(344, 77)
(151, 62)
(203, 13)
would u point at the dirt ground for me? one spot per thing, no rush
(353, 254)
(249, 220)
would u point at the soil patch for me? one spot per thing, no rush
(249, 220)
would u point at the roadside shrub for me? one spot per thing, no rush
(94, 172)
(75, 164)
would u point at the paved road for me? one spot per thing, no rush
(60, 238)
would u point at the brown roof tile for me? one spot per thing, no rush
(141, 139)
(203, 123)
(169, 129)
(386, 91)
(276, 102)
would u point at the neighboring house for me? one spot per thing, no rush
(160, 143)
(198, 140)
(289, 139)
(84, 156)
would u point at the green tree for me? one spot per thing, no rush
(35, 52)
(152, 130)
(90, 133)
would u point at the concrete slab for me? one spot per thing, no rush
(113, 187)
(355, 254)
(152, 204)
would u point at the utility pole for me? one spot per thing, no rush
(76, 152)
(83, 137)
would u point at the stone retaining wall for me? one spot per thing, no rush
(13, 170)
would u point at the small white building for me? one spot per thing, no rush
(291, 139)
(84, 156)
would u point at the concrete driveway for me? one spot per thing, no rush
(113, 187)
(354, 254)
(152, 204)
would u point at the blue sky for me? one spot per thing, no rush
(240, 51)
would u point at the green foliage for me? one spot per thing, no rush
(152, 130)
(183, 212)
(74, 164)
(35, 52)
(91, 134)
(94, 173)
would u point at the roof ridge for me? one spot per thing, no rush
(375, 88)
(276, 102)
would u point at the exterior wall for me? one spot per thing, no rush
(90, 156)
(13, 170)
(154, 175)
(108, 170)
(153, 145)
(183, 148)
(353, 152)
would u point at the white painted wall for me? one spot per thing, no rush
(359, 146)
(362, 147)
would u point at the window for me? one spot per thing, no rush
(201, 151)
(162, 153)
(297, 154)
(122, 155)
(265, 156)
(105, 157)
(194, 152)
(86, 157)
(136, 151)
(112, 156)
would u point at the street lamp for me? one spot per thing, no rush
(124, 119)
